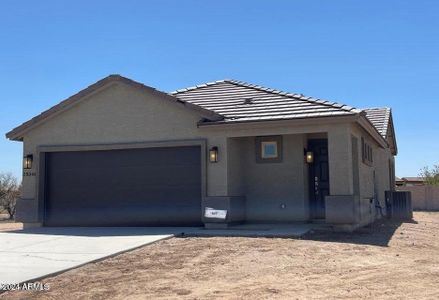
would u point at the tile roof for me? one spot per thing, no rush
(229, 101)
(417, 179)
(239, 101)
(379, 117)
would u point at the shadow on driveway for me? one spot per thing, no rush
(104, 231)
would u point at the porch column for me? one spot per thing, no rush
(217, 172)
(340, 160)
(341, 206)
(220, 178)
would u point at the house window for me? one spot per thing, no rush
(268, 149)
(366, 152)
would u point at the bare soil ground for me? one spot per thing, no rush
(7, 224)
(395, 261)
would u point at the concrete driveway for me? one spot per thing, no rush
(27, 255)
(30, 254)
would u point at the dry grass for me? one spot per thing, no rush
(396, 261)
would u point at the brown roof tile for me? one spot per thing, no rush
(239, 101)
(379, 117)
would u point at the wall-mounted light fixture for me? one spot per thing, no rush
(213, 154)
(309, 156)
(27, 161)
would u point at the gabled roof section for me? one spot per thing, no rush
(239, 101)
(379, 117)
(17, 133)
(382, 120)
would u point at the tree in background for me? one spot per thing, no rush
(9, 192)
(430, 176)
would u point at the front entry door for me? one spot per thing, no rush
(318, 177)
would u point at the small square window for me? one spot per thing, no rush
(269, 149)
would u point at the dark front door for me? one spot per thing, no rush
(131, 187)
(319, 177)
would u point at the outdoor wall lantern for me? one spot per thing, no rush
(27, 161)
(213, 154)
(309, 157)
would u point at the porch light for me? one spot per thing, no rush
(27, 161)
(213, 154)
(309, 157)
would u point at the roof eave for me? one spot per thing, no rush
(228, 123)
(392, 128)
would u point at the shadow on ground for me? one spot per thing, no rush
(102, 231)
(377, 234)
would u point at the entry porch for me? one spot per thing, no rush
(285, 178)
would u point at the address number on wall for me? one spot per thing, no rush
(215, 213)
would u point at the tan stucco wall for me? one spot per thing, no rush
(122, 114)
(370, 184)
(236, 166)
(340, 160)
(275, 192)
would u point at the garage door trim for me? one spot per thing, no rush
(41, 151)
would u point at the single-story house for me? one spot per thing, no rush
(410, 181)
(120, 153)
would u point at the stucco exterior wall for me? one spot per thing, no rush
(340, 160)
(275, 192)
(122, 114)
(374, 180)
(235, 166)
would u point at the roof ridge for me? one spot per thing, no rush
(295, 96)
(272, 91)
(383, 107)
(198, 86)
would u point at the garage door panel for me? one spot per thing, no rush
(136, 187)
(164, 175)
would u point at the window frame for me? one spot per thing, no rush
(366, 152)
(260, 141)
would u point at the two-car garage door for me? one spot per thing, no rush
(130, 187)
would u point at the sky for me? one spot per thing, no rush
(361, 53)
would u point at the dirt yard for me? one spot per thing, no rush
(6, 224)
(396, 261)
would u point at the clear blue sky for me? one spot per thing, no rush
(362, 53)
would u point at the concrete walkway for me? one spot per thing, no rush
(259, 230)
(30, 254)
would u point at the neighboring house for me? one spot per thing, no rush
(399, 181)
(120, 153)
(410, 181)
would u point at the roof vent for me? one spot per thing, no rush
(248, 101)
